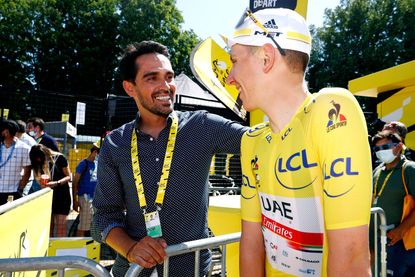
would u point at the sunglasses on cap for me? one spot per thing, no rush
(384, 146)
(248, 13)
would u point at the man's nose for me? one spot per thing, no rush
(230, 80)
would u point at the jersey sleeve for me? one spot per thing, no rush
(342, 143)
(250, 206)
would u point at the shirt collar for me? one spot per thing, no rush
(169, 119)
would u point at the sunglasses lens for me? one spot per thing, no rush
(384, 147)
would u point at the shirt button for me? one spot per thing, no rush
(157, 159)
(151, 139)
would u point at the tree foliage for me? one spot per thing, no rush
(360, 37)
(72, 46)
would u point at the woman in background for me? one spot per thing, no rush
(50, 169)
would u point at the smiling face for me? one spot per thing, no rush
(245, 65)
(153, 89)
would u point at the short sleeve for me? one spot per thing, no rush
(250, 206)
(341, 139)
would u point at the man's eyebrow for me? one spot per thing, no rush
(150, 73)
(154, 73)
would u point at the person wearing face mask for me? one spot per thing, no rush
(84, 182)
(36, 129)
(389, 193)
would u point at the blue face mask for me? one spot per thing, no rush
(32, 133)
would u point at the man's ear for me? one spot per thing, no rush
(269, 57)
(129, 88)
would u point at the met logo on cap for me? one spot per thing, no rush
(256, 5)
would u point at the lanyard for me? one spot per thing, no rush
(39, 139)
(162, 184)
(378, 194)
(8, 157)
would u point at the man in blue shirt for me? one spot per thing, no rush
(152, 188)
(83, 187)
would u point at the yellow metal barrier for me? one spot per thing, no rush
(25, 225)
(82, 247)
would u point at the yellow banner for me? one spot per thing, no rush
(24, 228)
(211, 65)
(4, 113)
(65, 117)
(400, 107)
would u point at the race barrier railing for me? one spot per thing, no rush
(193, 246)
(378, 212)
(61, 263)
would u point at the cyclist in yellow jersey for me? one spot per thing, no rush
(307, 173)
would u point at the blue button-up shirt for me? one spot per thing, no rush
(183, 215)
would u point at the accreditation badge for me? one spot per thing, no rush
(153, 225)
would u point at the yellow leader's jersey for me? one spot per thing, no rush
(315, 175)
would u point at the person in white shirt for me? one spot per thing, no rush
(22, 135)
(14, 157)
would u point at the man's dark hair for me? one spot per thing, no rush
(22, 126)
(386, 134)
(397, 127)
(37, 121)
(10, 125)
(128, 68)
(94, 148)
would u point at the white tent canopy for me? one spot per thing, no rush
(188, 92)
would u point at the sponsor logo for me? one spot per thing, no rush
(336, 119)
(285, 265)
(293, 163)
(248, 194)
(271, 24)
(308, 260)
(308, 271)
(283, 208)
(264, 4)
(286, 133)
(295, 239)
(277, 228)
(338, 168)
(273, 246)
(343, 165)
(273, 34)
(268, 138)
(255, 168)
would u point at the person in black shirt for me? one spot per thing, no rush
(160, 141)
(36, 129)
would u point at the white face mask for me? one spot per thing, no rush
(386, 156)
(32, 133)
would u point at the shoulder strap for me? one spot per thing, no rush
(403, 178)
